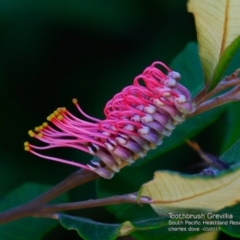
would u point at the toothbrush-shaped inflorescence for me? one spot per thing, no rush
(136, 120)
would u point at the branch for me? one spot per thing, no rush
(200, 95)
(224, 84)
(47, 215)
(29, 208)
(230, 96)
(227, 82)
(128, 198)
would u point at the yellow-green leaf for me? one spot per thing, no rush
(218, 30)
(205, 236)
(126, 228)
(173, 192)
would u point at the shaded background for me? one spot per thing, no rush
(53, 51)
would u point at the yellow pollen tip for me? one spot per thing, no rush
(60, 117)
(56, 112)
(75, 101)
(40, 135)
(45, 124)
(50, 117)
(26, 144)
(31, 133)
(27, 148)
(36, 129)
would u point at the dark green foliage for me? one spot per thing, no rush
(27, 228)
(53, 51)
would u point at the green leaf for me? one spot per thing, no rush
(27, 228)
(232, 155)
(223, 62)
(232, 228)
(232, 114)
(89, 229)
(188, 64)
(218, 30)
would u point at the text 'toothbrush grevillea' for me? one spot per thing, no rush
(136, 120)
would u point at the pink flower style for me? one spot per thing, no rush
(136, 120)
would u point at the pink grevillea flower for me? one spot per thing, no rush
(136, 120)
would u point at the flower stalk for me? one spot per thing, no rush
(205, 101)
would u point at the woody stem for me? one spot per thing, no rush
(127, 198)
(29, 208)
(230, 96)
